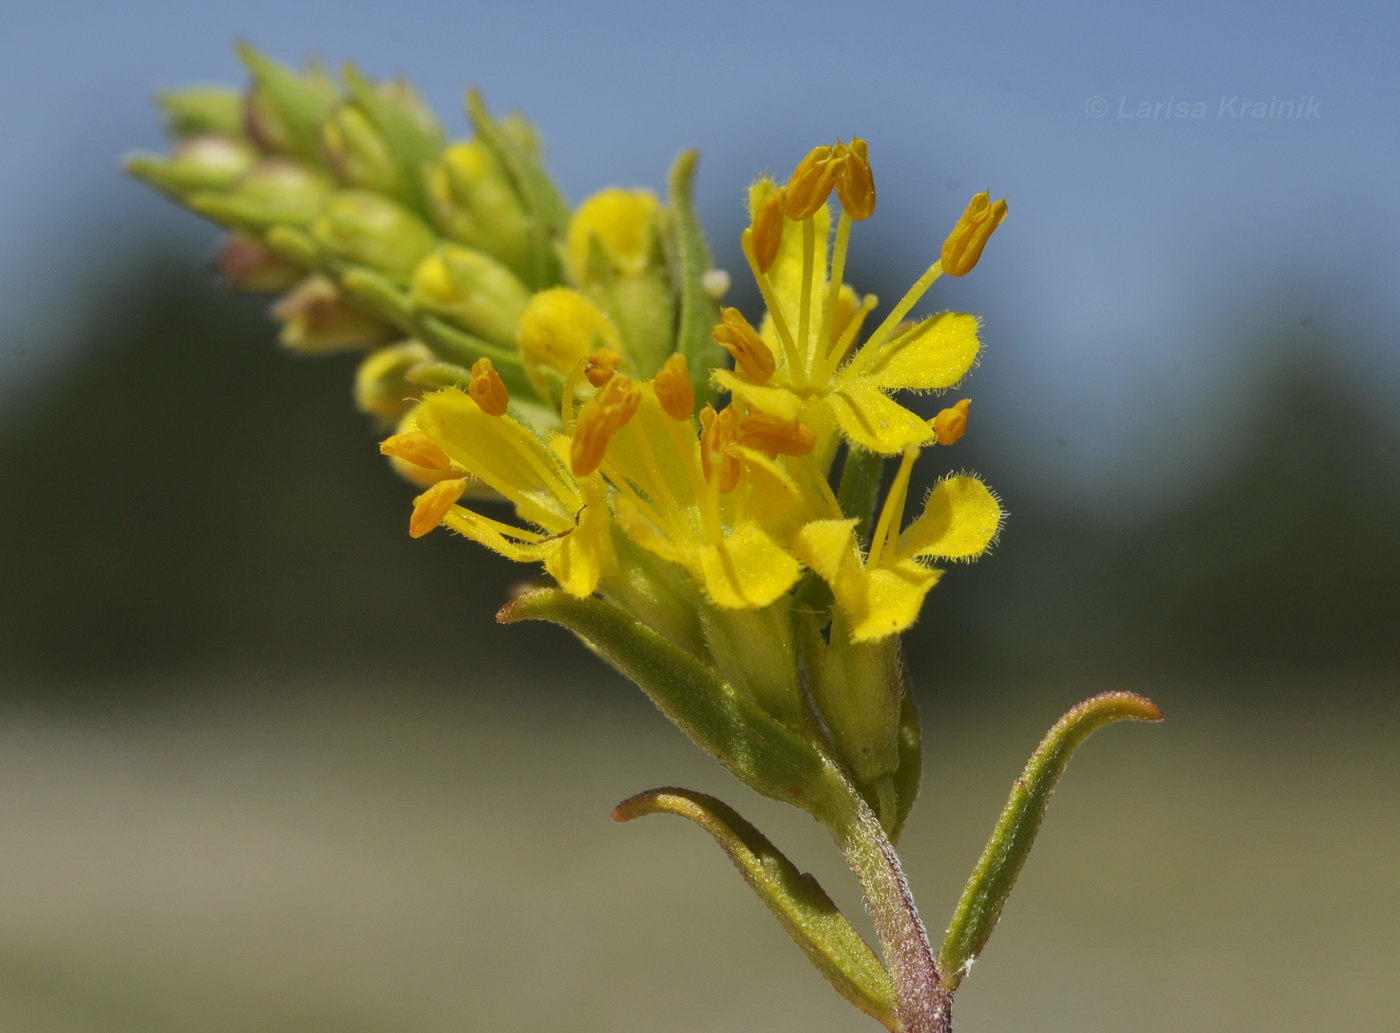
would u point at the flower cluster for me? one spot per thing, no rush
(559, 382)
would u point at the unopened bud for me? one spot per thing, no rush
(276, 191)
(964, 245)
(285, 108)
(471, 290)
(204, 162)
(473, 201)
(371, 230)
(357, 153)
(382, 387)
(202, 109)
(316, 320)
(558, 328)
(247, 264)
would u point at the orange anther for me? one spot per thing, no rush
(717, 432)
(774, 436)
(950, 424)
(811, 183)
(736, 336)
(487, 388)
(964, 245)
(600, 419)
(855, 186)
(768, 231)
(601, 365)
(430, 507)
(417, 448)
(674, 388)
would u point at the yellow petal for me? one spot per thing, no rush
(778, 401)
(888, 600)
(930, 356)
(747, 569)
(503, 454)
(961, 518)
(873, 421)
(579, 558)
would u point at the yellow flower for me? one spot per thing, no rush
(881, 593)
(813, 319)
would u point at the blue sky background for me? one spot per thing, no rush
(1127, 299)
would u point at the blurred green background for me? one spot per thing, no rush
(268, 765)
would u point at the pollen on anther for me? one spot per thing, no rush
(735, 335)
(434, 504)
(599, 367)
(767, 232)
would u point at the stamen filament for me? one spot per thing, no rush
(892, 514)
(833, 288)
(804, 307)
(910, 299)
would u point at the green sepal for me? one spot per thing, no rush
(1006, 852)
(413, 146)
(295, 245)
(300, 102)
(910, 746)
(378, 294)
(544, 206)
(761, 751)
(795, 898)
(464, 349)
(691, 257)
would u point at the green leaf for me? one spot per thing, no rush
(795, 898)
(691, 257)
(763, 752)
(413, 146)
(543, 204)
(1006, 852)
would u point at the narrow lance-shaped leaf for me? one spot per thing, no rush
(795, 898)
(699, 312)
(766, 754)
(1006, 852)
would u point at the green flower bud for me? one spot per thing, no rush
(203, 162)
(247, 264)
(471, 290)
(203, 109)
(317, 320)
(474, 202)
(285, 108)
(371, 230)
(357, 153)
(275, 191)
(381, 386)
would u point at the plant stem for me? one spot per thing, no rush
(924, 1004)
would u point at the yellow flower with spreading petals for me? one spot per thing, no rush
(809, 371)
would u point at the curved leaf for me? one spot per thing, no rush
(795, 898)
(1006, 852)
